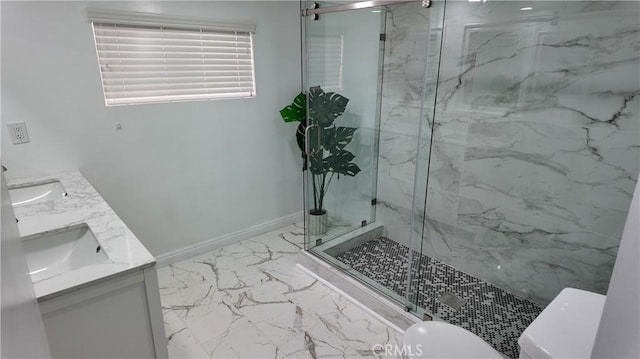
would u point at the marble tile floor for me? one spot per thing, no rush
(250, 300)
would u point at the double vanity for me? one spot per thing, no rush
(96, 284)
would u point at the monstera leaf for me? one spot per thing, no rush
(300, 141)
(340, 163)
(297, 111)
(325, 107)
(335, 139)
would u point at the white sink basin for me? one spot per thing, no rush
(53, 254)
(37, 193)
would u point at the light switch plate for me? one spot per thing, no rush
(18, 132)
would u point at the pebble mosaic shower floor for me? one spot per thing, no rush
(493, 314)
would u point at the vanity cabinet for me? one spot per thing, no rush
(119, 317)
(95, 282)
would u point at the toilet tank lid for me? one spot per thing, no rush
(566, 328)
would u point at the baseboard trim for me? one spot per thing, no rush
(215, 243)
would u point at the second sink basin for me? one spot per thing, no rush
(52, 254)
(36, 193)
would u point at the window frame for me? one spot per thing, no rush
(206, 80)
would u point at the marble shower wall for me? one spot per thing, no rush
(536, 144)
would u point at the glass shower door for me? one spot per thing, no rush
(535, 126)
(432, 37)
(342, 66)
(370, 79)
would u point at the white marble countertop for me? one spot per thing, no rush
(82, 205)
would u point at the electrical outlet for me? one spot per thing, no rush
(18, 132)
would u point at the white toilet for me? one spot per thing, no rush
(566, 328)
(443, 340)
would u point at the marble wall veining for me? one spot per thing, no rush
(536, 140)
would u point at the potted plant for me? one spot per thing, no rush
(329, 157)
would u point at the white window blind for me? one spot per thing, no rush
(324, 62)
(143, 61)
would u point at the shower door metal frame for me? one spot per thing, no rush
(316, 10)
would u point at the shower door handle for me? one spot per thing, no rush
(306, 139)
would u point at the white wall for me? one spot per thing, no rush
(178, 173)
(619, 328)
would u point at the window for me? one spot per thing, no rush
(146, 58)
(324, 62)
